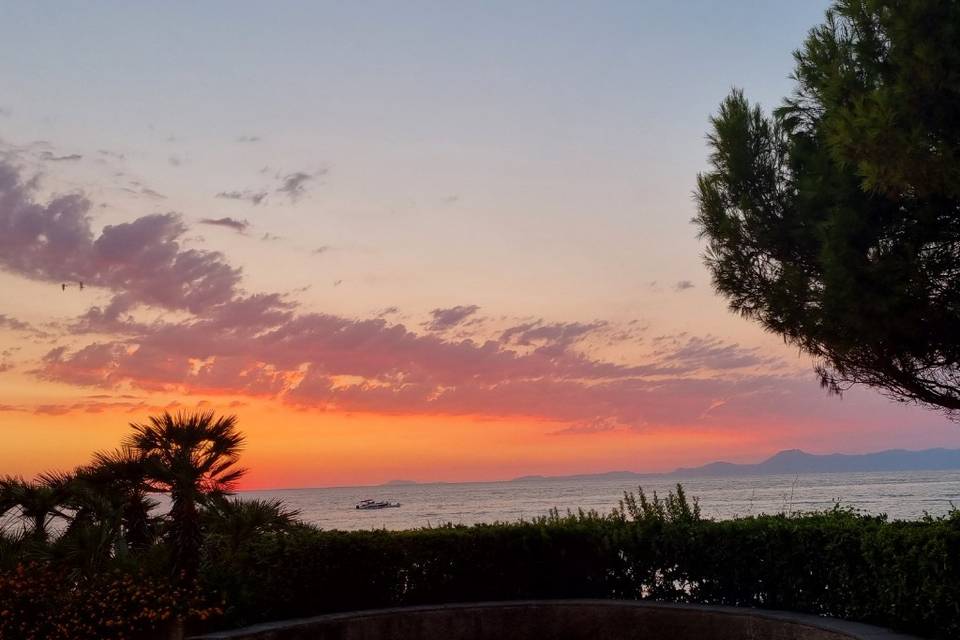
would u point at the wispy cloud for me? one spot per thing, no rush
(683, 285)
(444, 319)
(230, 223)
(51, 157)
(550, 338)
(596, 425)
(12, 324)
(711, 353)
(294, 185)
(254, 197)
(150, 193)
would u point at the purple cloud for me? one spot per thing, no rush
(140, 260)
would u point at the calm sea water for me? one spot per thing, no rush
(900, 495)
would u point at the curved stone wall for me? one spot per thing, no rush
(562, 620)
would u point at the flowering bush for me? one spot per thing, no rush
(40, 601)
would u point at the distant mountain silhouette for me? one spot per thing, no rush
(797, 461)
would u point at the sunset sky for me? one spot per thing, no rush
(427, 241)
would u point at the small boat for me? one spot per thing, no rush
(376, 504)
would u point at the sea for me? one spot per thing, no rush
(901, 495)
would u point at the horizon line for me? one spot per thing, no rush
(405, 482)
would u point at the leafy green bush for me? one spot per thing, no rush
(904, 575)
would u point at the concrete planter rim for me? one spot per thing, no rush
(853, 630)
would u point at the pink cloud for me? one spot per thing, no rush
(231, 342)
(303, 359)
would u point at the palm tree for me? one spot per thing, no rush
(108, 510)
(119, 478)
(39, 502)
(33, 506)
(193, 457)
(10, 540)
(8, 501)
(238, 521)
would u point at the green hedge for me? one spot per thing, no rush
(904, 575)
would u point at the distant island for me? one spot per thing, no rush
(398, 483)
(797, 461)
